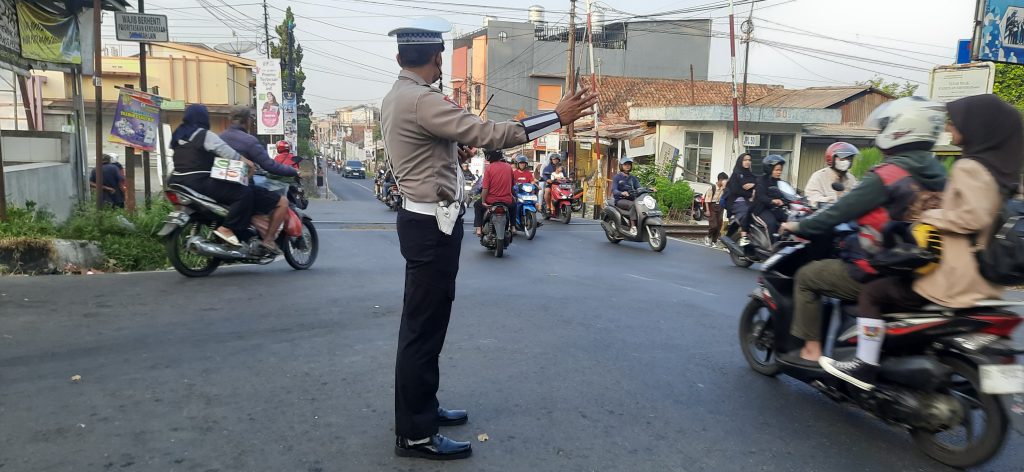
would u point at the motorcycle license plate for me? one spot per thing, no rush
(528, 198)
(565, 186)
(1002, 379)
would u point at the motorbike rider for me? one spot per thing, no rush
(264, 201)
(908, 181)
(838, 160)
(624, 187)
(740, 193)
(285, 156)
(545, 176)
(768, 203)
(195, 149)
(521, 174)
(495, 188)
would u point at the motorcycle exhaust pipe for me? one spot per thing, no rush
(208, 249)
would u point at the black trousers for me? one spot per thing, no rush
(627, 204)
(888, 295)
(431, 265)
(238, 197)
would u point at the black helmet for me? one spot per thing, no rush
(555, 155)
(522, 158)
(494, 155)
(771, 161)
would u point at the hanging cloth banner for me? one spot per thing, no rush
(47, 37)
(136, 120)
(10, 43)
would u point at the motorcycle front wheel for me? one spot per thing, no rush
(566, 214)
(530, 225)
(757, 338)
(981, 432)
(301, 252)
(656, 238)
(184, 261)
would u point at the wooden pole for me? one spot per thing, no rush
(746, 53)
(570, 84)
(735, 99)
(97, 81)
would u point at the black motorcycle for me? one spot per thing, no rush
(762, 242)
(497, 231)
(195, 252)
(947, 376)
(649, 225)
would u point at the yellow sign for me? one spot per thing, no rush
(47, 37)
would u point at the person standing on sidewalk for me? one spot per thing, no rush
(427, 135)
(714, 210)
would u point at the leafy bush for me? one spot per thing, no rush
(871, 157)
(28, 222)
(128, 241)
(674, 198)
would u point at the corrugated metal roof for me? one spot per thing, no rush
(813, 97)
(839, 131)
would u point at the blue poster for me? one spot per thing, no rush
(1002, 31)
(136, 120)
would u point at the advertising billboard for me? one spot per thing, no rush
(268, 97)
(1002, 31)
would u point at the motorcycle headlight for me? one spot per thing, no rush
(649, 201)
(527, 187)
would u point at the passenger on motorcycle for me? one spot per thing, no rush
(907, 182)
(624, 187)
(264, 201)
(545, 176)
(768, 203)
(285, 156)
(521, 174)
(990, 132)
(740, 193)
(838, 160)
(496, 187)
(195, 148)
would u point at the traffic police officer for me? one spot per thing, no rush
(422, 132)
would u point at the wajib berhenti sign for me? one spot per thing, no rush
(141, 27)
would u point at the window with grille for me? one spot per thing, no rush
(697, 156)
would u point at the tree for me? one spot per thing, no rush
(1009, 84)
(895, 89)
(279, 50)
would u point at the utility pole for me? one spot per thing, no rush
(748, 33)
(593, 84)
(735, 106)
(97, 81)
(291, 63)
(266, 27)
(144, 85)
(570, 84)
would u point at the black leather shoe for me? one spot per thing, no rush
(439, 448)
(451, 417)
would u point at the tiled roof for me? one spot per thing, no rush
(618, 94)
(813, 97)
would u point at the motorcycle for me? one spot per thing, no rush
(393, 200)
(497, 231)
(195, 252)
(649, 225)
(762, 242)
(941, 369)
(526, 209)
(562, 201)
(697, 208)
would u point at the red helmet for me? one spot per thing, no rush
(284, 146)
(840, 150)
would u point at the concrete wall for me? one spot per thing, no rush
(51, 185)
(722, 157)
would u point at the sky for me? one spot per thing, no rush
(349, 59)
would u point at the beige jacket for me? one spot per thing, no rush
(970, 204)
(819, 186)
(421, 129)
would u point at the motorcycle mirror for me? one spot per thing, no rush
(787, 190)
(838, 186)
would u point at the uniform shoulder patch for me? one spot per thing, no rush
(452, 101)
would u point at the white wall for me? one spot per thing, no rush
(722, 157)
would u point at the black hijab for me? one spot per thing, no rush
(993, 135)
(740, 176)
(196, 117)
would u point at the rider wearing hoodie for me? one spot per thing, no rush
(908, 181)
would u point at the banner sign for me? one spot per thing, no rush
(136, 120)
(291, 122)
(47, 37)
(1002, 31)
(268, 92)
(140, 27)
(10, 43)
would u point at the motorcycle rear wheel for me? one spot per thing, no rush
(184, 261)
(301, 252)
(611, 231)
(740, 261)
(966, 386)
(757, 338)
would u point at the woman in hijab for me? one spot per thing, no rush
(741, 193)
(194, 151)
(989, 131)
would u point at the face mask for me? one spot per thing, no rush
(843, 165)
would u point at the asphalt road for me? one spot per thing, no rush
(571, 354)
(351, 189)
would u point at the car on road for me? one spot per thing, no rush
(354, 169)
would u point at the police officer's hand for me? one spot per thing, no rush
(576, 106)
(465, 153)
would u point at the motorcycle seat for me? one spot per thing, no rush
(192, 193)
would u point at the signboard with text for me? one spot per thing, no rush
(751, 140)
(136, 120)
(48, 37)
(949, 83)
(1002, 31)
(140, 27)
(268, 93)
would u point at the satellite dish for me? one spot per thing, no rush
(236, 47)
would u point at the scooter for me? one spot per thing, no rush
(697, 208)
(562, 192)
(497, 231)
(649, 225)
(947, 376)
(526, 209)
(393, 200)
(762, 242)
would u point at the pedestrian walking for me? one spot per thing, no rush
(426, 135)
(714, 209)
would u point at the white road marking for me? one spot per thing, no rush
(684, 287)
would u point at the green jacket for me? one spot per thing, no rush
(871, 193)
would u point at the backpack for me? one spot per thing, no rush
(1002, 260)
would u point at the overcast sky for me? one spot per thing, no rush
(350, 60)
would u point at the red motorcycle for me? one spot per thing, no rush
(563, 196)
